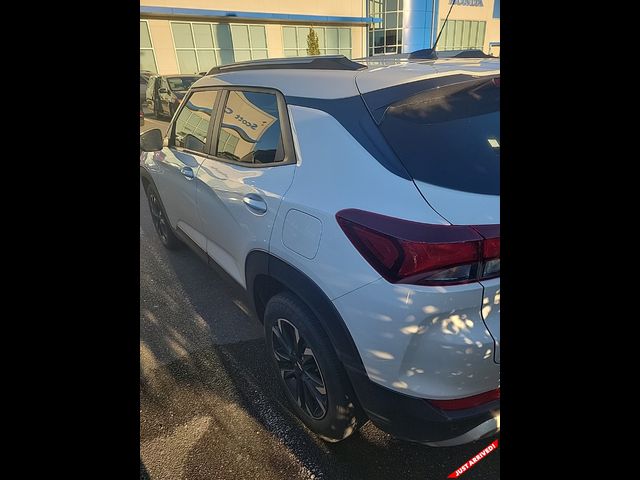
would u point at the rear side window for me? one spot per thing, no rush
(192, 124)
(449, 136)
(250, 130)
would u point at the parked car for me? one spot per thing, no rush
(141, 116)
(358, 205)
(164, 92)
(144, 79)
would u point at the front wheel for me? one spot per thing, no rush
(160, 220)
(309, 371)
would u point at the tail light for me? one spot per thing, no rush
(467, 402)
(403, 251)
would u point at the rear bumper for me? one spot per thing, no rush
(414, 419)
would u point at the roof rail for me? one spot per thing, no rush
(429, 54)
(318, 62)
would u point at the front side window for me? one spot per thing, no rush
(192, 124)
(250, 130)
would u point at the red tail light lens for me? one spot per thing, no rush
(410, 252)
(467, 402)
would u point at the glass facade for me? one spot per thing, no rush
(147, 56)
(462, 35)
(386, 37)
(200, 46)
(331, 40)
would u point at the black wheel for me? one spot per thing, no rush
(313, 379)
(160, 220)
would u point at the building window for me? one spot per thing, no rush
(200, 46)
(462, 35)
(496, 9)
(386, 37)
(331, 40)
(147, 57)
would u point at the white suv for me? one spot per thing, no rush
(358, 205)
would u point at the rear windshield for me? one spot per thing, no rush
(449, 136)
(178, 84)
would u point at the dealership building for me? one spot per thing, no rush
(189, 36)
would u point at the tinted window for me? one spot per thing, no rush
(192, 124)
(449, 136)
(180, 84)
(250, 130)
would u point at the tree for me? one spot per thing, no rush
(313, 46)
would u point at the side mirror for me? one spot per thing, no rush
(151, 140)
(162, 90)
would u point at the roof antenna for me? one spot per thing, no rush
(430, 53)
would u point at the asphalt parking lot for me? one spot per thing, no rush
(209, 407)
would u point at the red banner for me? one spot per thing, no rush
(475, 459)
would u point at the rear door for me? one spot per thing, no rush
(175, 167)
(241, 184)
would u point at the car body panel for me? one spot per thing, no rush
(337, 267)
(491, 311)
(178, 193)
(423, 341)
(231, 228)
(400, 72)
(462, 208)
(331, 84)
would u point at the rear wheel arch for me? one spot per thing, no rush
(268, 275)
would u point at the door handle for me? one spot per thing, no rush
(188, 173)
(255, 203)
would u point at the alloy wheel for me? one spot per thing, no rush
(157, 215)
(299, 369)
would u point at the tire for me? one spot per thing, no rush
(334, 415)
(160, 219)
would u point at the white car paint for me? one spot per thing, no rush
(454, 205)
(337, 267)
(427, 342)
(177, 192)
(230, 227)
(423, 341)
